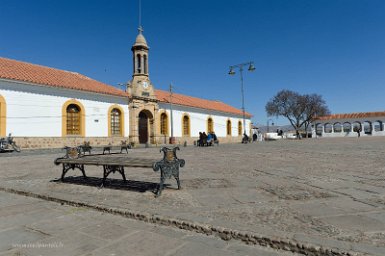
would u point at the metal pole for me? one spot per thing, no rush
(172, 123)
(140, 14)
(243, 100)
(268, 124)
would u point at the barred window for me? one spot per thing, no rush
(163, 124)
(228, 126)
(210, 125)
(186, 126)
(73, 120)
(116, 122)
(239, 128)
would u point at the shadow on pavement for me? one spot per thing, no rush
(119, 184)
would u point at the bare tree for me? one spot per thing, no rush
(300, 110)
(315, 106)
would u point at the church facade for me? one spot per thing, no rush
(45, 107)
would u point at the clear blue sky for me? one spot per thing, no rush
(335, 48)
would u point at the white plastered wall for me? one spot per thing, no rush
(36, 111)
(198, 121)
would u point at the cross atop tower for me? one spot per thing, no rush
(140, 29)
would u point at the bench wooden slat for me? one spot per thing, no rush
(109, 160)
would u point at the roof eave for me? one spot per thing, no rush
(62, 88)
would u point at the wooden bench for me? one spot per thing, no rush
(168, 166)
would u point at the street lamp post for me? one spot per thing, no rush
(172, 139)
(272, 123)
(232, 72)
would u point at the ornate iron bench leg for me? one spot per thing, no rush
(65, 170)
(121, 171)
(67, 167)
(81, 167)
(107, 169)
(105, 174)
(161, 183)
(177, 180)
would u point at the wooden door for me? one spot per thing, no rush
(143, 128)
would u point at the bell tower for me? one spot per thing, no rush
(140, 55)
(143, 104)
(140, 85)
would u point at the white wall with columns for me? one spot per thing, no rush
(379, 130)
(36, 111)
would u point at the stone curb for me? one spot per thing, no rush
(223, 233)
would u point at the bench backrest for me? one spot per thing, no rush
(169, 154)
(72, 152)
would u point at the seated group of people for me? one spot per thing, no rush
(207, 139)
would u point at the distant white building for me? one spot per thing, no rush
(347, 125)
(47, 107)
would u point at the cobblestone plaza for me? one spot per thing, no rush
(310, 196)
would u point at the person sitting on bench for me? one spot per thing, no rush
(210, 139)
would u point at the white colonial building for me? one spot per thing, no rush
(348, 125)
(48, 107)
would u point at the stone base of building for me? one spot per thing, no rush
(60, 142)
(350, 134)
(192, 140)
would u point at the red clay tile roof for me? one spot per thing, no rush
(27, 72)
(41, 75)
(352, 115)
(179, 99)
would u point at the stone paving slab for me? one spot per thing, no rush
(284, 190)
(66, 230)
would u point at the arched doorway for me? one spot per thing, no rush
(378, 126)
(337, 127)
(368, 128)
(357, 126)
(318, 129)
(347, 127)
(328, 128)
(145, 126)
